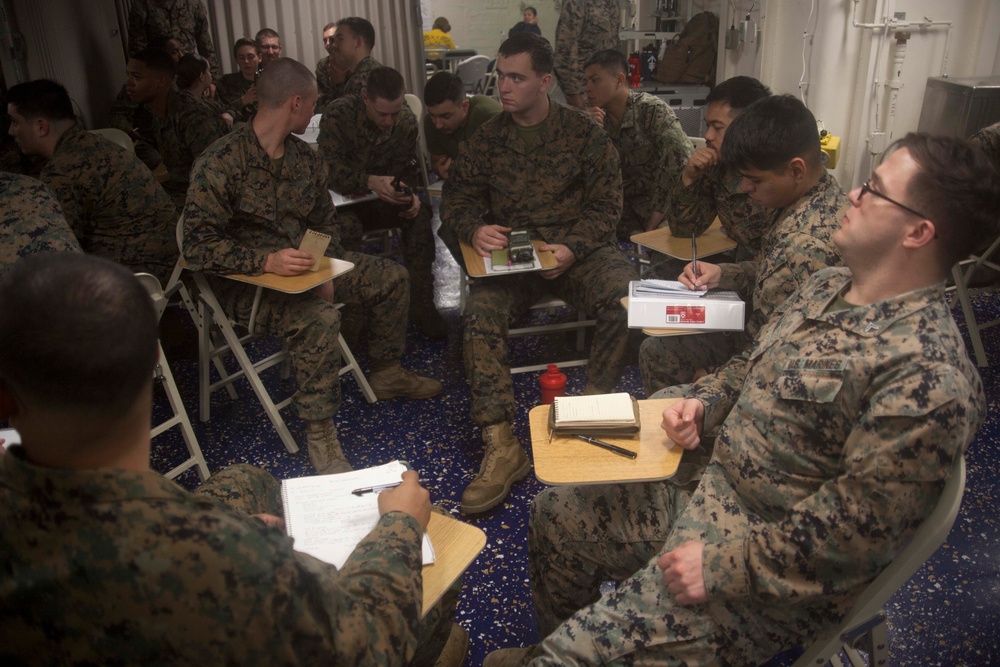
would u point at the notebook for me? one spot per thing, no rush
(315, 243)
(600, 414)
(327, 520)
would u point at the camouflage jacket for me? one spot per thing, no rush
(653, 150)
(354, 148)
(31, 221)
(147, 573)
(842, 429)
(359, 77)
(798, 245)
(231, 89)
(184, 20)
(565, 188)
(585, 27)
(328, 90)
(187, 129)
(113, 202)
(988, 139)
(239, 210)
(717, 193)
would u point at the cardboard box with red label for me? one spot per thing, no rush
(717, 310)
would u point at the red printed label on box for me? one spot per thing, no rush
(685, 315)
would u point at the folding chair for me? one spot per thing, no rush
(117, 136)
(163, 374)
(963, 272)
(472, 70)
(864, 626)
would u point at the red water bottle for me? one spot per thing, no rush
(634, 70)
(553, 383)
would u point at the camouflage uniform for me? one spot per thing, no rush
(231, 89)
(355, 149)
(137, 121)
(184, 20)
(565, 188)
(359, 77)
(31, 220)
(187, 129)
(988, 139)
(113, 203)
(798, 245)
(653, 150)
(147, 573)
(585, 27)
(328, 90)
(842, 428)
(239, 211)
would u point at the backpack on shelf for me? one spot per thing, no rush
(690, 56)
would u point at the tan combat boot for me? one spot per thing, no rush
(455, 649)
(394, 380)
(324, 449)
(504, 462)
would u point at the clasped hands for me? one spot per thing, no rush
(382, 187)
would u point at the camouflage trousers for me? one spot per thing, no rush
(581, 536)
(311, 325)
(665, 361)
(595, 285)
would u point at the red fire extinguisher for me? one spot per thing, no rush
(553, 382)
(634, 70)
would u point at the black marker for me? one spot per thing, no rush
(620, 451)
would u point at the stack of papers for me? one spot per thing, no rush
(666, 289)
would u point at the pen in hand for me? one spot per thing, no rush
(694, 257)
(374, 489)
(620, 451)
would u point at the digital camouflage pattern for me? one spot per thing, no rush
(564, 188)
(653, 150)
(182, 134)
(359, 77)
(113, 203)
(839, 431)
(184, 20)
(146, 573)
(988, 139)
(585, 27)
(239, 210)
(136, 121)
(328, 90)
(798, 245)
(31, 221)
(231, 89)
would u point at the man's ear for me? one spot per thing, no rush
(797, 168)
(8, 404)
(920, 234)
(42, 127)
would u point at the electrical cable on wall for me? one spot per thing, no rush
(806, 39)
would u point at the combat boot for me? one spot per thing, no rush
(324, 449)
(455, 649)
(504, 462)
(393, 380)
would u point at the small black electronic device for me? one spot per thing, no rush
(397, 182)
(521, 250)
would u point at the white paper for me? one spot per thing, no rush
(10, 437)
(599, 407)
(666, 288)
(536, 265)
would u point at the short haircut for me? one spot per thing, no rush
(331, 24)
(189, 68)
(611, 60)
(41, 98)
(444, 86)
(245, 41)
(532, 10)
(441, 23)
(956, 187)
(771, 132)
(360, 28)
(534, 45)
(76, 332)
(266, 32)
(157, 60)
(281, 79)
(738, 92)
(385, 82)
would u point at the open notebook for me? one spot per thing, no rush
(600, 414)
(327, 520)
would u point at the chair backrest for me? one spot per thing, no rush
(698, 142)
(929, 536)
(472, 69)
(155, 291)
(417, 107)
(117, 136)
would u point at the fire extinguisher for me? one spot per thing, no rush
(634, 70)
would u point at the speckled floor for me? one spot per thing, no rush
(948, 614)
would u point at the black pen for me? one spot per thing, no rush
(620, 451)
(374, 489)
(694, 257)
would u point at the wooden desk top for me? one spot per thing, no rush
(711, 242)
(475, 265)
(566, 460)
(456, 545)
(328, 270)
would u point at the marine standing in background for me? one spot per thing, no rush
(585, 27)
(184, 20)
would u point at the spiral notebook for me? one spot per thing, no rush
(599, 414)
(327, 520)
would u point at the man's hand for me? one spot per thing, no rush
(288, 262)
(578, 100)
(683, 573)
(683, 422)
(709, 276)
(270, 520)
(228, 117)
(382, 186)
(654, 220)
(440, 164)
(325, 291)
(250, 96)
(702, 158)
(408, 497)
(489, 238)
(597, 114)
(564, 258)
(413, 210)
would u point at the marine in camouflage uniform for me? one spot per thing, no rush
(653, 149)
(231, 89)
(988, 139)
(805, 501)
(328, 90)
(359, 76)
(113, 203)
(31, 221)
(136, 121)
(184, 20)
(585, 27)
(797, 246)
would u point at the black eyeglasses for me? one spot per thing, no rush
(866, 187)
